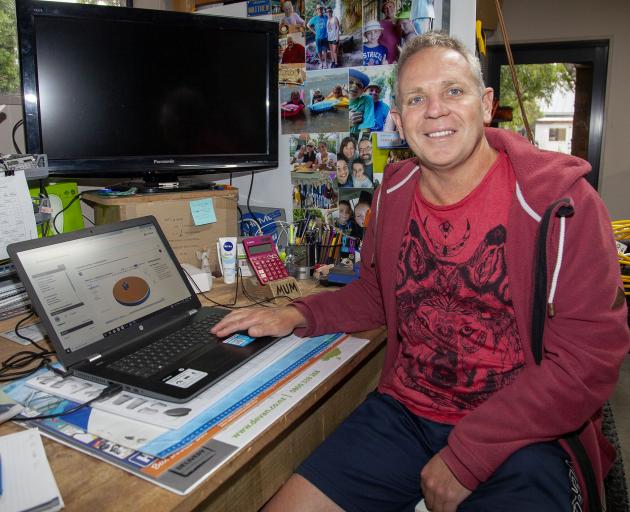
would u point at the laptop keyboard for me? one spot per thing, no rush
(165, 351)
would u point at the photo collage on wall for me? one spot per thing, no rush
(337, 61)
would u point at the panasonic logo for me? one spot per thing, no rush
(163, 161)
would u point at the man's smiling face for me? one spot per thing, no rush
(442, 108)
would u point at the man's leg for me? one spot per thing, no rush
(299, 494)
(372, 462)
(537, 477)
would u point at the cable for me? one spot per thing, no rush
(110, 390)
(233, 305)
(510, 58)
(78, 196)
(12, 367)
(13, 132)
(249, 209)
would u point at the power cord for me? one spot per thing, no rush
(54, 220)
(110, 390)
(12, 367)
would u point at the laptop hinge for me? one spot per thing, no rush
(192, 312)
(94, 357)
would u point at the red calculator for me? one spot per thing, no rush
(263, 258)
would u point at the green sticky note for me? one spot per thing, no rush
(203, 211)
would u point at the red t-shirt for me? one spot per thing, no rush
(459, 340)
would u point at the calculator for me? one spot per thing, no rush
(263, 258)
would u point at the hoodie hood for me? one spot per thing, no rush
(533, 166)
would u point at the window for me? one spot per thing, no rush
(9, 65)
(558, 134)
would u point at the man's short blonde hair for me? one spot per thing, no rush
(437, 40)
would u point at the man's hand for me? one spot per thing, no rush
(356, 117)
(442, 492)
(261, 322)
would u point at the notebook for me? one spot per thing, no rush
(107, 295)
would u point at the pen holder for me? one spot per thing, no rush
(286, 287)
(328, 254)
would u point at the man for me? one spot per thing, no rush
(475, 395)
(293, 53)
(365, 154)
(361, 106)
(381, 109)
(318, 26)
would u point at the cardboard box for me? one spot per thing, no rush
(172, 210)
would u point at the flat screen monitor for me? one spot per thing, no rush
(113, 92)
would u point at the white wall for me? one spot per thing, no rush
(578, 20)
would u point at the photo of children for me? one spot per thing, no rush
(361, 106)
(374, 53)
(380, 88)
(326, 103)
(353, 214)
(292, 109)
(400, 21)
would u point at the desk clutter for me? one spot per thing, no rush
(178, 445)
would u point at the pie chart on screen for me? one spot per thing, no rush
(131, 291)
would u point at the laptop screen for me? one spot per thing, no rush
(99, 285)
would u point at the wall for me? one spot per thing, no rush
(577, 20)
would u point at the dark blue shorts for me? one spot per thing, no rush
(372, 462)
(321, 45)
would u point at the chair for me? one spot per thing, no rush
(615, 484)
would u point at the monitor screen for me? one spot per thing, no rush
(111, 91)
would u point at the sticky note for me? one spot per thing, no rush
(203, 211)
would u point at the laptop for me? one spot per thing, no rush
(113, 296)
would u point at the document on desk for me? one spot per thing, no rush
(27, 480)
(46, 392)
(196, 460)
(17, 220)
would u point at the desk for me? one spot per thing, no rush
(246, 481)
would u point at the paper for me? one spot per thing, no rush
(17, 220)
(203, 211)
(35, 332)
(28, 481)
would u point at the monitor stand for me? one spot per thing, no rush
(164, 183)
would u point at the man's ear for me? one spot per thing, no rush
(398, 120)
(486, 104)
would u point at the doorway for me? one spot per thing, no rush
(589, 59)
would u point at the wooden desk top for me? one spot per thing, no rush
(88, 484)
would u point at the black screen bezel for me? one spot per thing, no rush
(142, 165)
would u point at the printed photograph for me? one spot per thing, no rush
(333, 34)
(291, 49)
(389, 24)
(324, 106)
(291, 17)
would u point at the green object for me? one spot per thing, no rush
(61, 195)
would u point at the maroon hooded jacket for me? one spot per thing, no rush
(584, 342)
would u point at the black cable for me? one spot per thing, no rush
(88, 219)
(12, 367)
(13, 132)
(75, 198)
(233, 304)
(110, 390)
(249, 209)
